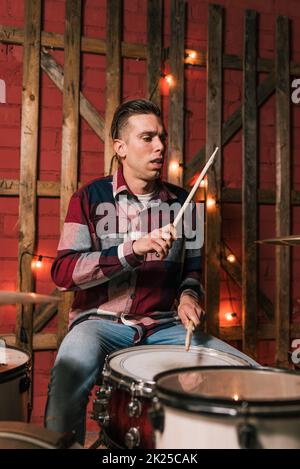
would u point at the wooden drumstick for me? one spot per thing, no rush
(191, 326)
(192, 193)
(196, 185)
(189, 333)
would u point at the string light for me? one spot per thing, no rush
(39, 262)
(169, 79)
(231, 258)
(203, 183)
(210, 203)
(230, 316)
(191, 56)
(174, 166)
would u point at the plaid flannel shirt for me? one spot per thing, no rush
(100, 266)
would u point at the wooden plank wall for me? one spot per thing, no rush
(250, 174)
(86, 109)
(113, 73)
(218, 133)
(154, 50)
(70, 132)
(176, 97)
(28, 165)
(213, 140)
(283, 189)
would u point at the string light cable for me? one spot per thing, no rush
(40, 257)
(233, 313)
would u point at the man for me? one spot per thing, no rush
(128, 270)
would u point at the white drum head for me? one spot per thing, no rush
(142, 363)
(12, 359)
(257, 390)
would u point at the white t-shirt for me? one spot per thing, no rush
(145, 198)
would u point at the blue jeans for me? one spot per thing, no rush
(80, 360)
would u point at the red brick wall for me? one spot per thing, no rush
(91, 148)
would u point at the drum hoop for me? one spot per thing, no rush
(145, 388)
(9, 375)
(220, 410)
(41, 437)
(26, 439)
(226, 407)
(137, 387)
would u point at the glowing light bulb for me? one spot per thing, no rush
(39, 262)
(203, 183)
(192, 55)
(229, 316)
(174, 166)
(235, 397)
(210, 203)
(170, 79)
(231, 258)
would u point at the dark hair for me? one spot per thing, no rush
(128, 109)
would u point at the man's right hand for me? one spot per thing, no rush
(159, 241)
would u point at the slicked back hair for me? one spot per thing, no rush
(128, 109)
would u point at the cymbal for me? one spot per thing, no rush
(13, 297)
(292, 240)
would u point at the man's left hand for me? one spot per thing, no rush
(189, 308)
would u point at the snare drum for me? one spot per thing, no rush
(231, 408)
(14, 384)
(124, 399)
(19, 435)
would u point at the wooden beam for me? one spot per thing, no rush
(10, 187)
(70, 132)
(231, 126)
(176, 98)
(234, 270)
(249, 190)
(87, 110)
(264, 196)
(264, 332)
(113, 74)
(28, 166)
(48, 188)
(40, 321)
(44, 313)
(154, 50)
(283, 186)
(47, 341)
(214, 177)
(69, 168)
(11, 35)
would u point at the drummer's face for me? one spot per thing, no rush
(141, 147)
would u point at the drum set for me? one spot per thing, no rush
(15, 380)
(163, 397)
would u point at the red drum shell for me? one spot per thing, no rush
(129, 374)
